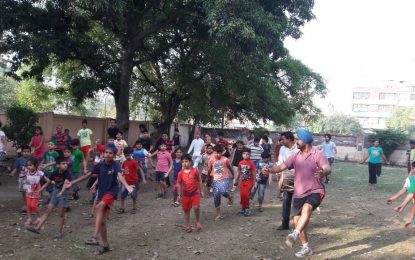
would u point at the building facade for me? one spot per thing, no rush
(373, 105)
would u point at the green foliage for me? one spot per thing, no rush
(259, 131)
(389, 139)
(402, 119)
(36, 95)
(21, 124)
(337, 124)
(8, 88)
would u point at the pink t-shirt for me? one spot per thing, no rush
(305, 167)
(33, 185)
(220, 168)
(163, 161)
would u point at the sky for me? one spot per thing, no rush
(354, 43)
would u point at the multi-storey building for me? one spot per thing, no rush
(373, 105)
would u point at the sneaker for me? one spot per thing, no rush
(260, 209)
(233, 188)
(57, 235)
(247, 213)
(291, 238)
(304, 251)
(283, 227)
(242, 212)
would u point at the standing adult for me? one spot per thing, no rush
(59, 138)
(176, 139)
(196, 146)
(113, 130)
(330, 150)
(3, 148)
(146, 141)
(266, 134)
(278, 148)
(286, 178)
(310, 166)
(38, 143)
(410, 154)
(142, 128)
(85, 138)
(375, 155)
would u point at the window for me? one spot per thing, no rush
(360, 108)
(387, 96)
(385, 108)
(412, 97)
(361, 95)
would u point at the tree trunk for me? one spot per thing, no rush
(122, 97)
(169, 110)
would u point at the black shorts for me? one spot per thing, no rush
(314, 199)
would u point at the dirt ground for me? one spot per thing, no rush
(352, 224)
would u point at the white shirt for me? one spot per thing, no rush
(196, 146)
(328, 148)
(2, 135)
(286, 152)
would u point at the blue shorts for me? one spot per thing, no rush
(134, 194)
(61, 201)
(160, 176)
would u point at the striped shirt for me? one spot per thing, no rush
(256, 152)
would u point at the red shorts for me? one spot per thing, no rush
(109, 200)
(86, 149)
(190, 201)
(32, 205)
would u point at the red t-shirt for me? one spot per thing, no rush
(247, 169)
(190, 180)
(130, 171)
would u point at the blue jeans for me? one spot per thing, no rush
(261, 192)
(74, 176)
(220, 188)
(134, 194)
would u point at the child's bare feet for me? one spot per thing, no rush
(198, 226)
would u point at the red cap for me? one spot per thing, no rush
(101, 147)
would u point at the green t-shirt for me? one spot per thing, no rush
(78, 157)
(50, 157)
(411, 187)
(375, 154)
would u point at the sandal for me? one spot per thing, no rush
(101, 250)
(33, 230)
(189, 229)
(133, 211)
(92, 241)
(120, 211)
(219, 217)
(198, 226)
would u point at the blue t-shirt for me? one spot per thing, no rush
(107, 178)
(177, 167)
(266, 147)
(328, 149)
(375, 154)
(140, 155)
(19, 164)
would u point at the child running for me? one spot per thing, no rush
(190, 191)
(142, 156)
(206, 178)
(48, 165)
(262, 179)
(18, 168)
(99, 157)
(219, 168)
(33, 190)
(163, 168)
(78, 159)
(109, 174)
(59, 198)
(177, 167)
(130, 169)
(246, 169)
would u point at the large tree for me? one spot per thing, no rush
(168, 51)
(337, 124)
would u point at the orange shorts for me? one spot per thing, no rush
(109, 200)
(190, 201)
(86, 149)
(32, 205)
